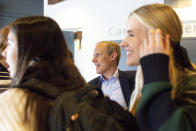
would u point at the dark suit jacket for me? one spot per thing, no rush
(127, 81)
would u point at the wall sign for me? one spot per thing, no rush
(185, 9)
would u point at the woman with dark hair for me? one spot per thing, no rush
(41, 68)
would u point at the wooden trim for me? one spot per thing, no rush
(50, 2)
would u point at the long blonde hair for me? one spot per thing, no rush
(160, 16)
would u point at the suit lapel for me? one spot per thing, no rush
(124, 83)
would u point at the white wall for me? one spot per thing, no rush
(188, 19)
(97, 19)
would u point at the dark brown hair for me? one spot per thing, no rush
(43, 54)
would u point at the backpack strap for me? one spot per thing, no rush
(42, 88)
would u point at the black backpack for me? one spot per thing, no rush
(87, 109)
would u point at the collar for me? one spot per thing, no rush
(114, 77)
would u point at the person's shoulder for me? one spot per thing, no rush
(12, 94)
(186, 91)
(12, 106)
(129, 73)
(191, 79)
(185, 115)
(94, 81)
(188, 83)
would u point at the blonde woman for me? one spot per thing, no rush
(165, 91)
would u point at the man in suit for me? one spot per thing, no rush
(117, 85)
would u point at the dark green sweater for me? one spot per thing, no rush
(156, 111)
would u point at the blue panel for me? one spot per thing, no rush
(11, 8)
(122, 64)
(32, 7)
(69, 37)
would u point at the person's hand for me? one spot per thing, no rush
(155, 43)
